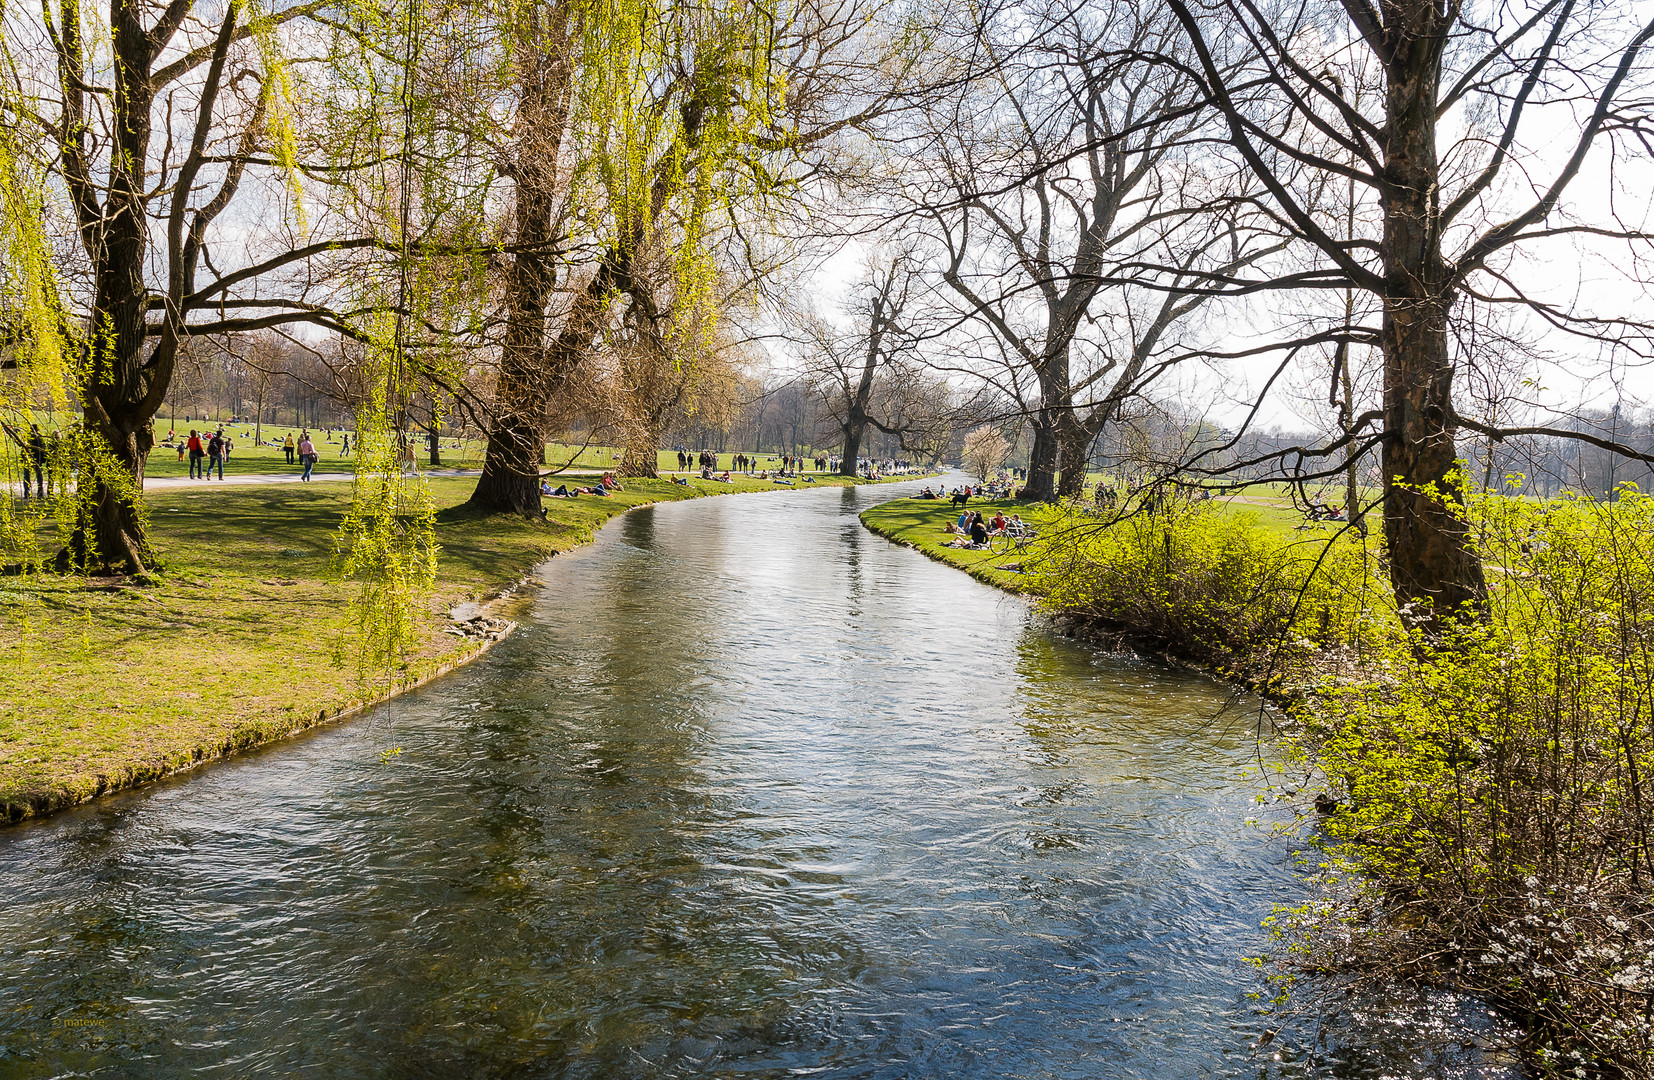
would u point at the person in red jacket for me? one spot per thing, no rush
(197, 453)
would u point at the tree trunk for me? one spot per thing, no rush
(640, 460)
(1074, 452)
(1042, 459)
(510, 481)
(1434, 567)
(109, 533)
(853, 428)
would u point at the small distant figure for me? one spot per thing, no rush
(290, 446)
(197, 454)
(344, 451)
(307, 455)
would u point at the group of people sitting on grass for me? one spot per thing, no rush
(604, 489)
(960, 495)
(974, 532)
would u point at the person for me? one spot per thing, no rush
(37, 457)
(288, 445)
(979, 531)
(197, 452)
(215, 454)
(307, 454)
(964, 521)
(34, 456)
(344, 451)
(999, 522)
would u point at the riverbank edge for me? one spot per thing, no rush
(1110, 636)
(34, 805)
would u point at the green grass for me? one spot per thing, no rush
(105, 684)
(922, 524)
(248, 457)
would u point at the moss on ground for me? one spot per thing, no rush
(105, 684)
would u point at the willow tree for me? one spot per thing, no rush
(139, 127)
(674, 125)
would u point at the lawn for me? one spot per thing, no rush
(922, 524)
(247, 457)
(104, 684)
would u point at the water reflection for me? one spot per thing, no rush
(753, 794)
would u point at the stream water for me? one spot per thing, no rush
(752, 793)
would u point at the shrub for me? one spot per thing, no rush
(1204, 581)
(1491, 791)
(1494, 785)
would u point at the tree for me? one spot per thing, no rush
(846, 368)
(684, 120)
(984, 452)
(540, 51)
(216, 91)
(1057, 174)
(1445, 224)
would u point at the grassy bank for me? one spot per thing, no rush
(1220, 593)
(104, 684)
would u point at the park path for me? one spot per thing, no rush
(153, 482)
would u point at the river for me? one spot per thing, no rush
(751, 793)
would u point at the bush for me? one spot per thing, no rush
(1494, 786)
(1204, 581)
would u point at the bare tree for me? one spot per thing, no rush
(1057, 174)
(848, 368)
(984, 451)
(1313, 92)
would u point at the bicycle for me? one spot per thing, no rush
(1005, 542)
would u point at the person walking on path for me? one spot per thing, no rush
(197, 453)
(288, 445)
(215, 454)
(307, 455)
(34, 456)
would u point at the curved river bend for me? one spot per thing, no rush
(753, 793)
